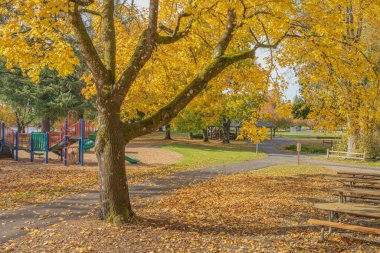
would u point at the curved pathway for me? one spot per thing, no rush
(18, 222)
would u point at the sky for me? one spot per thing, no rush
(288, 74)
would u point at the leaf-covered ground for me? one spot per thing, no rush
(261, 211)
(24, 183)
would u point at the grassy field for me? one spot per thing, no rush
(348, 161)
(200, 156)
(307, 134)
(307, 149)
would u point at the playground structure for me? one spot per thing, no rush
(63, 143)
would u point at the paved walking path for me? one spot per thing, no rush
(18, 222)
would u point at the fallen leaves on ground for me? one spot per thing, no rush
(22, 184)
(251, 212)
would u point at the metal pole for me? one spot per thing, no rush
(2, 134)
(47, 147)
(66, 142)
(17, 145)
(31, 148)
(81, 142)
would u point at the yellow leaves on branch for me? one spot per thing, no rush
(6, 115)
(253, 133)
(34, 35)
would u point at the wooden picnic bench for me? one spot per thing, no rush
(345, 193)
(355, 174)
(360, 198)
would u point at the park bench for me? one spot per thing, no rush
(359, 196)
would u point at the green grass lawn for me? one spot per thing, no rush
(307, 149)
(302, 134)
(348, 161)
(200, 156)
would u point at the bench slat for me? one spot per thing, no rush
(355, 228)
(359, 191)
(358, 173)
(358, 177)
(355, 180)
(363, 210)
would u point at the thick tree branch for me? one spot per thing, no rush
(223, 43)
(87, 48)
(141, 55)
(82, 2)
(109, 39)
(196, 86)
(175, 35)
(168, 112)
(84, 10)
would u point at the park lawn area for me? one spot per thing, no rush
(307, 149)
(203, 155)
(260, 211)
(348, 161)
(23, 183)
(309, 134)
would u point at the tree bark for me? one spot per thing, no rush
(352, 136)
(20, 124)
(115, 205)
(205, 136)
(45, 124)
(191, 136)
(226, 131)
(167, 132)
(351, 143)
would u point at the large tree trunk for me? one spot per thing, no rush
(352, 136)
(205, 136)
(351, 143)
(167, 132)
(226, 131)
(45, 124)
(20, 126)
(191, 136)
(110, 148)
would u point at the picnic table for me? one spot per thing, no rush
(359, 196)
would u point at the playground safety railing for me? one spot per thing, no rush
(55, 138)
(24, 141)
(74, 130)
(10, 136)
(89, 128)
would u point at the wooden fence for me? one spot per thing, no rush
(346, 155)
